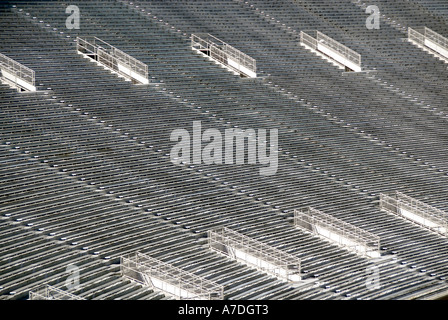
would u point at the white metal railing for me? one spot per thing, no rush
(222, 52)
(417, 35)
(308, 40)
(17, 69)
(314, 220)
(48, 292)
(152, 272)
(265, 257)
(110, 56)
(336, 46)
(314, 38)
(417, 211)
(426, 37)
(437, 38)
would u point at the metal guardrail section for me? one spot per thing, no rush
(437, 38)
(427, 216)
(309, 218)
(224, 239)
(48, 292)
(110, 56)
(420, 34)
(141, 268)
(221, 51)
(307, 39)
(314, 37)
(417, 35)
(17, 69)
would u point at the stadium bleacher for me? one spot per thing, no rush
(86, 175)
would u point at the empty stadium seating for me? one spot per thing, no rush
(86, 175)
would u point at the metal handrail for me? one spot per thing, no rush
(322, 39)
(222, 51)
(148, 266)
(397, 201)
(48, 292)
(280, 259)
(110, 55)
(17, 69)
(313, 217)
